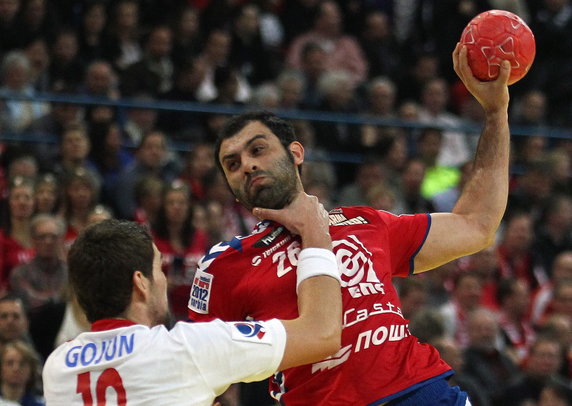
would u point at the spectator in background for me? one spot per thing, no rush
(562, 298)
(183, 124)
(91, 31)
(555, 394)
(541, 308)
(514, 250)
(148, 193)
(531, 189)
(409, 197)
(445, 201)
(452, 354)
(484, 361)
(15, 234)
(553, 233)
(50, 127)
(108, 156)
(438, 177)
(342, 51)
(381, 96)
(485, 264)
(13, 320)
(17, 115)
(139, 120)
(100, 80)
(66, 67)
(181, 244)
(47, 195)
(187, 35)
(44, 278)
(338, 97)
(416, 75)
(249, 55)
(152, 157)
(434, 98)
(81, 194)
(20, 374)
(75, 147)
(40, 59)
(11, 28)
(216, 53)
(198, 163)
(530, 110)
(514, 321)
(539, 369)
(312, 67)
(465, 298)
(153, 73)
(122, 39)
(413, 296)
(39, 19)
(369, 173)
(380, 45)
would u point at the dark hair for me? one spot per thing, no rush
(279, 127)
(101, 264)
(160, 225)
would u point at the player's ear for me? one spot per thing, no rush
(140, 285)
(297, 151)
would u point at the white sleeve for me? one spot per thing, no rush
(231, 352)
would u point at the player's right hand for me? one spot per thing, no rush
(304, 216)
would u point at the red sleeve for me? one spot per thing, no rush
(406, 235)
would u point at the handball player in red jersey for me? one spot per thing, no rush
(253, 277)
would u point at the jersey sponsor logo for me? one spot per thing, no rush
(201, 292)
(250, 332)
(94, 353)
(270, 238)
(353, 315)
(341, 220)
(334, 360)
(355, 262)
(365, 340)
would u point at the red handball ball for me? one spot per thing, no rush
(497, 35)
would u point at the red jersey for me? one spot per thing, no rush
(254, 277)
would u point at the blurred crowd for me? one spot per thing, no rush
(501, 317)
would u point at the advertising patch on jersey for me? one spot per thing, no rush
(341, 220)
(269, 238)
(250, 331)
(201, 292)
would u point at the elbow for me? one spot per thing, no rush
(486, 236)
(331, 340)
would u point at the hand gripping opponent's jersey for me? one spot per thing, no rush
(126, 364)
(254, 277)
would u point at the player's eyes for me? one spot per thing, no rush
(257, 149)
(231, 166)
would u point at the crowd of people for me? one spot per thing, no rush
(64, 165)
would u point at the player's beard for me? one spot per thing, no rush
(278, 189)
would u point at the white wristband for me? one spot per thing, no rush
(316, 262)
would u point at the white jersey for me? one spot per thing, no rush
(121, 363)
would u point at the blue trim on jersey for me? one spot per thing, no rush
(412, 259)
(412, 388)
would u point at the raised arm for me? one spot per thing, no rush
(475, 218)
(316, 333)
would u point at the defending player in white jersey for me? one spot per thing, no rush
(130, 358)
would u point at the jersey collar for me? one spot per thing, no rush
(110, 324)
